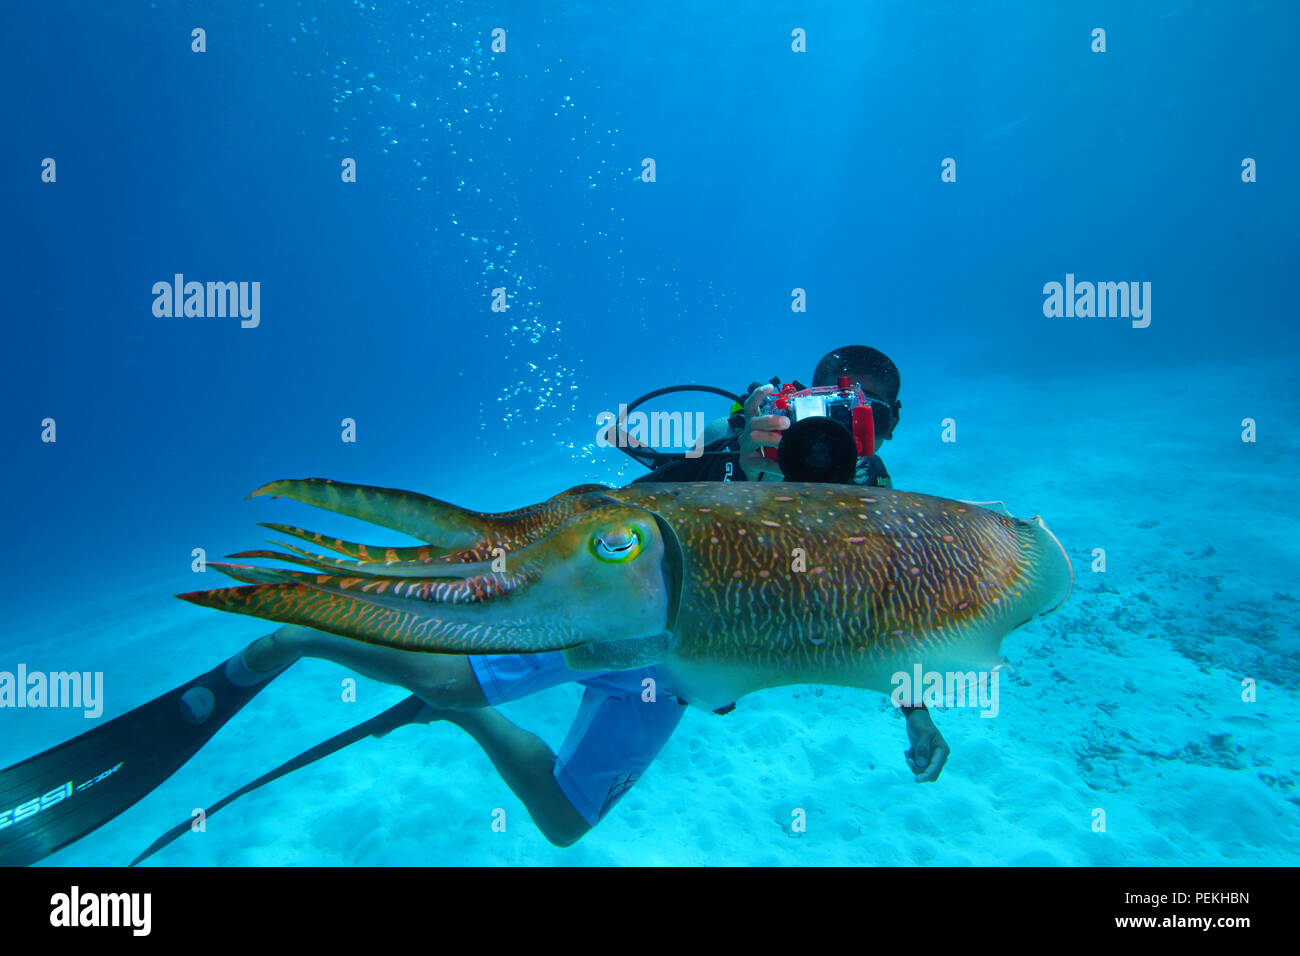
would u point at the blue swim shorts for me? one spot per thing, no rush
(615, 736)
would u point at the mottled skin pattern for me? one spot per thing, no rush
(727, 587)
(890, 579)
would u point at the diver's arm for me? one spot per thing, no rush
(761, 431)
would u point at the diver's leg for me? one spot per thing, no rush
(448, 684)
(445, 681)
(527, 765)
(523, 760)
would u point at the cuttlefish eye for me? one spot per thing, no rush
(617, 546)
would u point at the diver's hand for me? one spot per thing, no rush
(761, 431)
(929, 751)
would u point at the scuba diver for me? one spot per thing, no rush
(734, 446)
(830, 432)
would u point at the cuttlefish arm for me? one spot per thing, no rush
(423, 554)
(554, 594)
(420, 516)
(450, 532)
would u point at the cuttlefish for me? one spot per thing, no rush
(727, 588)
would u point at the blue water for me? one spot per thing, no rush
(775, 170)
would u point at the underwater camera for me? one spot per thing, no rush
(831, 428)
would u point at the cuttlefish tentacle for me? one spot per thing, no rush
(726, 587)
(376, 622)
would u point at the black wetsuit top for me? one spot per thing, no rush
(726, 467)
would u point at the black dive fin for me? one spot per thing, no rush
(412, 710)
(57, 797)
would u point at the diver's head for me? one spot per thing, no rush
(870, 368)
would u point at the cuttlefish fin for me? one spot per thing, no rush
(620, 655)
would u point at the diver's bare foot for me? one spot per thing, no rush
(277, 649)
